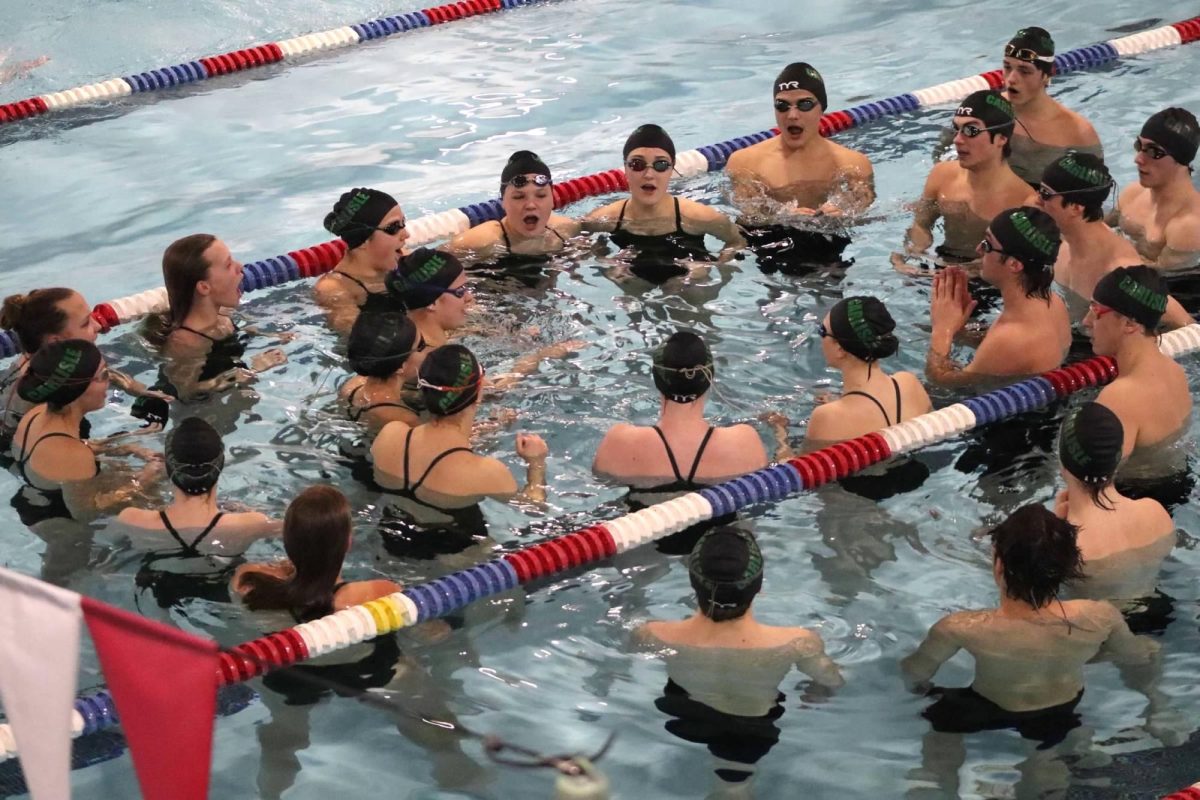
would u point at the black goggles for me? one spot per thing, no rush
(803, 104)
(639, 164)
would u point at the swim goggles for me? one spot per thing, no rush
(1099, 309)
(639, 164)
(392, 228)
(803, 104)
(1025, 54)
(521, 181)
(471, 384)
(1047, 194)
(970, 130)
(987, 247)
(460, 292)
(1149, 148)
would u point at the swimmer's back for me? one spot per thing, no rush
(635, 454)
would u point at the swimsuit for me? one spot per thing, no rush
(879, 405)
(356, 412)
(173, 587)
(34, 504)
(681, 542)
(224, 355)
(655, 254)
(793, 251)
(375, 301)
(897, 478)
(967, 711)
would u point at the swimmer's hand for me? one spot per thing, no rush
(950, 305)
(268, 359)
(824, 396)
(561, 349)
(532, 448)
(912, 264)
(779, 426)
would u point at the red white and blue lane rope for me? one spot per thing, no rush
(251, 57)
(319, 259)
(437, 598)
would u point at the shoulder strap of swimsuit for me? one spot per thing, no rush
(621, 216)
(670, 453)
(700, 453)
(162, 515)
(352, 278)
(437, 459)
(212, 524)
(407, 453)
(878, 404)
(678, 217)
(896, 385)
(504, 233)
(25, 443)
(198, 333)
(26, 455)
(561, 238)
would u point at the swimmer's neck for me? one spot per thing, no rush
(69, 418)
(1173, 195)
(854, 374)
(663, 207)
(356, 264)
(727, 627)
(193, 504)
(433, 333)
(984, 177)
(1079, 501)
(519, 238)
(1135, 351)
(682, 414)
(809, 145)
(1013, 298)
(391, 385)
(1019, 609)
(1040, 106)
(457, 425)
(204, 315)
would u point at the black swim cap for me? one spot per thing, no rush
(801, 76)
(991, 108)
(195, 456)
(357, 214)
(649, 135)
(863, 327)
(380, 343)
(1029, 235)
(450, 380)
(422, 275)
(59, 372)
(683, 367)
(523, 162)
(726, 571)
(1176, 131)
(1081, 177)
(1033, 45)
(1091, 443)
(1135, 292)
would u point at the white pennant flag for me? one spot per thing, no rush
(39, 660)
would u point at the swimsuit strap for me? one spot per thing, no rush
(26, 455)
(504, 233)
(356, 413)
(700, 452)
(189, 549)
(437, 459)
(678, 218)
(878, 404)
(407, 451)
(670, 453)
(352, 278)
(621, 216)
(896, 385)
(561, 238)
(201, 333)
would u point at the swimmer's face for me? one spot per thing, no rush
(384, 249)
(449, 311)
(829, 346)
(648, 186)
(80, 323)
(97, 392)
(1153, 173)
(223, 282)
(1106, 327)
(978, 150)
(797, 126)
(1023, 81)
(527, 209)
(1055, 207)
(994, 263)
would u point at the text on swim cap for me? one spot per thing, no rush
(59, 378)
(1147, 297)
(1038, 240)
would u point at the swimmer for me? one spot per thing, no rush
(971, 190)
(724, 666)
(64, 381)
(1046, 129)
(372, 225)
(385, 350)
(653, 222)
(855, 334)
(433, 464)
(193, 523)
(1123, 541)
(203, 346)
(1030, 651)
(1150, 394)
(1032, 333)
(798, 174)
(1161, 212)
(432, 286)
(655, 458)
(529, 230)
(20, 69)
(51, 315)
(317, 532)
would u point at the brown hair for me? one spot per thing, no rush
(35, 316)
(183, 266)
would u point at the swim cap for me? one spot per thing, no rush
(1033, 45)
(450, 380)
(863, 327)
(1029, 235)
(523, 162)
(59, 372)
(357, 214)
(1176, 131)
(991, 108)
(1091, 443)
(421, 277)
(726, 569)
(801, 76)
(1081, 177)
(683, 367)
(195, 456)
(1135, 292)
(380, 342)
(649, 135)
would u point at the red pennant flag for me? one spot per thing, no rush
(164, 682)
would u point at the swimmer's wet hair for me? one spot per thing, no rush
(195, 456)
(1038, 552)
(726, 572)
(184, 266)
(683, 367)
(34, 316)
(380, 343)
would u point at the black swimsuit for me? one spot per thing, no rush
(375, 301)
(526, 269)
(901, 476)
(189, 549)
(794, 251)
(356, 412)
(655, 254)
(171, 587)
(683, 541)
(879, 405)
(34, 504)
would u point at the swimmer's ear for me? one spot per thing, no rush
(203, 288)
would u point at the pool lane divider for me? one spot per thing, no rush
(437, 598)
(319, 259)
(251, 58)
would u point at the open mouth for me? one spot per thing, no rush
(648, 187)
(794, 130)
(530, 220)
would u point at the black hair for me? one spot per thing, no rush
(1038, 552)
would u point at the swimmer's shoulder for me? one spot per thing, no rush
(350, 386)
(331, 289)
(748, 158)
(913, 391)
(566, 226)
(606, 211)
(144, 518)
(943, 174)
(1152, 516)
(850, 162)
(182, 343)
(390, 439)
(1082, 129)
(699, 211)
(359, 592)
(475, 239)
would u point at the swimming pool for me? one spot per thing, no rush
(260, 161)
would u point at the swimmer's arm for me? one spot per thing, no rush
(1176, 316)
(1122, 646)
(814, 662)
(939, 647)
(612, 450)
(991, 359)
(858, 193)
(476, 244)
(601, 220)
(1181, 247)
(566, 226)
(112, 489)
(747, 189)
(714, 223)
(340, 308)
(183, 373)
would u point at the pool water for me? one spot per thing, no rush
(430, 116)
